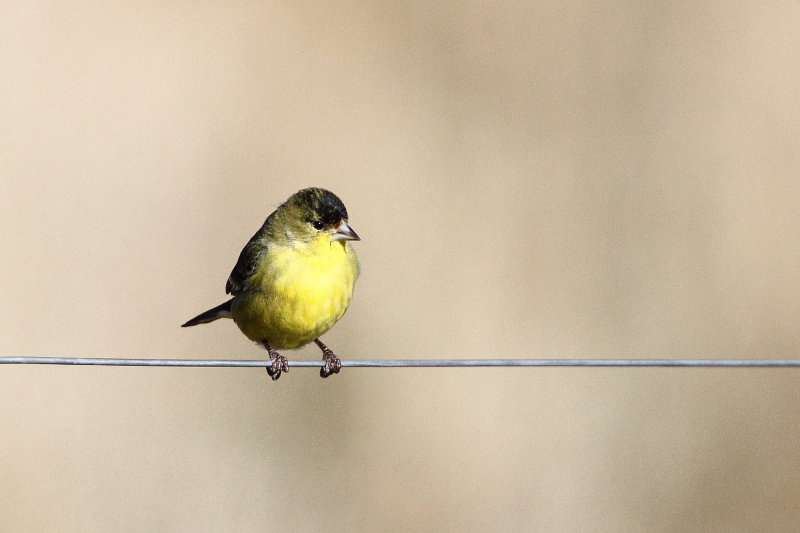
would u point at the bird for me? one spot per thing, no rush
(294, 278)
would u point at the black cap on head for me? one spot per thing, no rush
(326, 206)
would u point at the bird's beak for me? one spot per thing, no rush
(345, 233)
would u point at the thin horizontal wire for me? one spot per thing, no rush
(389, 363)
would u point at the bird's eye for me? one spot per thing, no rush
(317, 224)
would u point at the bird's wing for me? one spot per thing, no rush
(248, 259)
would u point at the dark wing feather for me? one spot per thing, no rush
(248, 259)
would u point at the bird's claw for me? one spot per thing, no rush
(332, 363)
(279, 364)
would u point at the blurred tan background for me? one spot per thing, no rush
(570, 179)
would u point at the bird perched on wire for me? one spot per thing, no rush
(294, 279)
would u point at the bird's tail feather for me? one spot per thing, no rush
(220, 311)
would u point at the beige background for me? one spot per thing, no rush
(563, 179)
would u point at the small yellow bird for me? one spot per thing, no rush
(294, 279)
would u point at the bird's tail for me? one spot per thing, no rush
(220, 311)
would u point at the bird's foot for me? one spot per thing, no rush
(332, 363)
(279, 362)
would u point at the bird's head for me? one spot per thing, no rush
(313, 214)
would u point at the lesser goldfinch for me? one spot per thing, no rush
(294, 278)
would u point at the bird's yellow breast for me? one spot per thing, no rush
(297, 293)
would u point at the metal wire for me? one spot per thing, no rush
(390, 363)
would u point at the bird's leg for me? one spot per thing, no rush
(332, 363)
(279, 362)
